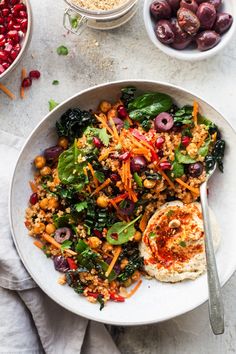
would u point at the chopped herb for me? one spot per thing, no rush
(66, 244)
(182, 244)
(74, 22)
(55, 82)
(62, 50)
(146, 124)
(81, 206)
(126, 124)
(52, 104)
(100, 176)
(103, 136)
(152, 234)
(170, 213)
(101, 301)
(138, 179)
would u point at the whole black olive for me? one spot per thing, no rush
(195, 169)
(164, 32)
(182, 39)
(207, 15)
(207, 40)
(223, 22)
(160, 9)
(188, 21)
(216, 3)
(62, 234)
(174, 4)
(52, 153)
(189, 4)
(61, 264)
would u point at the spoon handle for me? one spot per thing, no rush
(216, 307)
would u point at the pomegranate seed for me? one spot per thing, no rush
(185, 140)
(5, 12)
(114, 177)
(2, 40)
(33, 198)
(159, 142)
(1, 69)
(18, 7)
(9, 18)
(97, 142)
(124, 156)
(3, 55)
(24, 24)
(122, 113)
(17, 47)
(35, 74)
(2, 20)
(97, 233)
(14, 54)
(10, 25)
(14, 2)
(22, 14)
(165, 165)
(16, 27)
(5, 65)
(13, 35)
(8, 48)
(3, 4)
(2, 29)
(27, 82)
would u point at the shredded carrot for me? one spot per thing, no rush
(195, 112)
(93, 174)
(51, 240)
(133, 291)
(38, 244)
(7, 91)
(23, 76)
(104, 124)
(113, 262)
(115, 132)
(86, 174)
(33, 186)
(143, 222)
(114, 205)
(141, 151)
(105, 154)
(166, 177)
(97, 190)
(192, 189)
(119, 198)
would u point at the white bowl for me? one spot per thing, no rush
(190, 54)
(154, 301)
(24, 44)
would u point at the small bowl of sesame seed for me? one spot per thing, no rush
(98, 14)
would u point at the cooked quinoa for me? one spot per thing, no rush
(104, 5)
(110, 170)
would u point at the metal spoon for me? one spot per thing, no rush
(216, 307)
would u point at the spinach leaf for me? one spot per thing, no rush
(177, 169)
(70, 170)
(121, 232)
(90, 259)
(73, 123)
(184, 115)
(204, 120)
(203, 150)
(181, 158)
(149, 105)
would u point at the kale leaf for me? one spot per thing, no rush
(73, 123)
(127, 95)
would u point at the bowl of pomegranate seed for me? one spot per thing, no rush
(15, 33)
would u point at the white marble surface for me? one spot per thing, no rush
(125, 53)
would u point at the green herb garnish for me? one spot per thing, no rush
(152, 234)
(170, 213)
(66, 244)
(52, 104)
(182, 244)
(62, 50)
(55, 82)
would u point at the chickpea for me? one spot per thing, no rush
(43, 203)
(135, 276)
(63, 142)
(137, 236)
(45, 171)
(105, 106)
(124, 263)
(50, 229)
(102, 201)
(94, 242)
(112, 114)
(39, 162)
(149, 183)
(53, 203)
(107, 247)
(38, 228)
(174, 224)
(127, 283)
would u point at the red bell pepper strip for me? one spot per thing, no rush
(95, 295)
(72, 264)
(117, 298)
(120, 197)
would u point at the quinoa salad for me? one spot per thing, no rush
(112, 167)
(103, 5)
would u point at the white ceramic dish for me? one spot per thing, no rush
(154, 301)
(24, 44)
(190, 54)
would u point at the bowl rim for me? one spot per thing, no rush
(181, 54)
(26, 42)
(41, 285)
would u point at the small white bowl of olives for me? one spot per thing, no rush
(190, 29)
